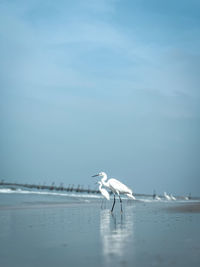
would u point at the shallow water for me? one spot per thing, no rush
(51, 230)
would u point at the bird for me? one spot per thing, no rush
(157, 197)
(172, 197)
(116, 187)
(104, 192)
(167, 196)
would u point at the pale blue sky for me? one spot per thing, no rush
(110, 85)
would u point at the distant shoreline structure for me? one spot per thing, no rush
(52, 187)
(70, 188)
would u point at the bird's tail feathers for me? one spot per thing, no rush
(130, 196)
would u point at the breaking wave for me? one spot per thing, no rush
(22, 191)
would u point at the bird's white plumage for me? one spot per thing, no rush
(103, 191)
(172, 197)
(157, 198)
(167, 196)
(116, 187)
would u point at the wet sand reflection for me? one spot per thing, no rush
(117, 234)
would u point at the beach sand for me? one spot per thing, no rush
(83, 234)
(193, 207)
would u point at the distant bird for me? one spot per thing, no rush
(116, 187)
(167, 196)
(104, 192)
(172, 197)
(157, 197)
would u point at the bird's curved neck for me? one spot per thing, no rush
(103, 180)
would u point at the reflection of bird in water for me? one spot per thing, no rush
(116, 234)
(116, 187)
(104, 192)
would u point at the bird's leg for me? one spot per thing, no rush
(120, 203)
(113, 204)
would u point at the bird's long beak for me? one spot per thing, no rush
(95, 175)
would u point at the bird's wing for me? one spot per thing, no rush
(118, 186)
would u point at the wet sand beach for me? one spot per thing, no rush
(55, 233)
(186, 207)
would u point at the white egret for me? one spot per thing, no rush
(172, 197)
(116, 187)
(167, 196)
(104, 192)
(157, 197)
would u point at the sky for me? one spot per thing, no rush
(110, 85)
